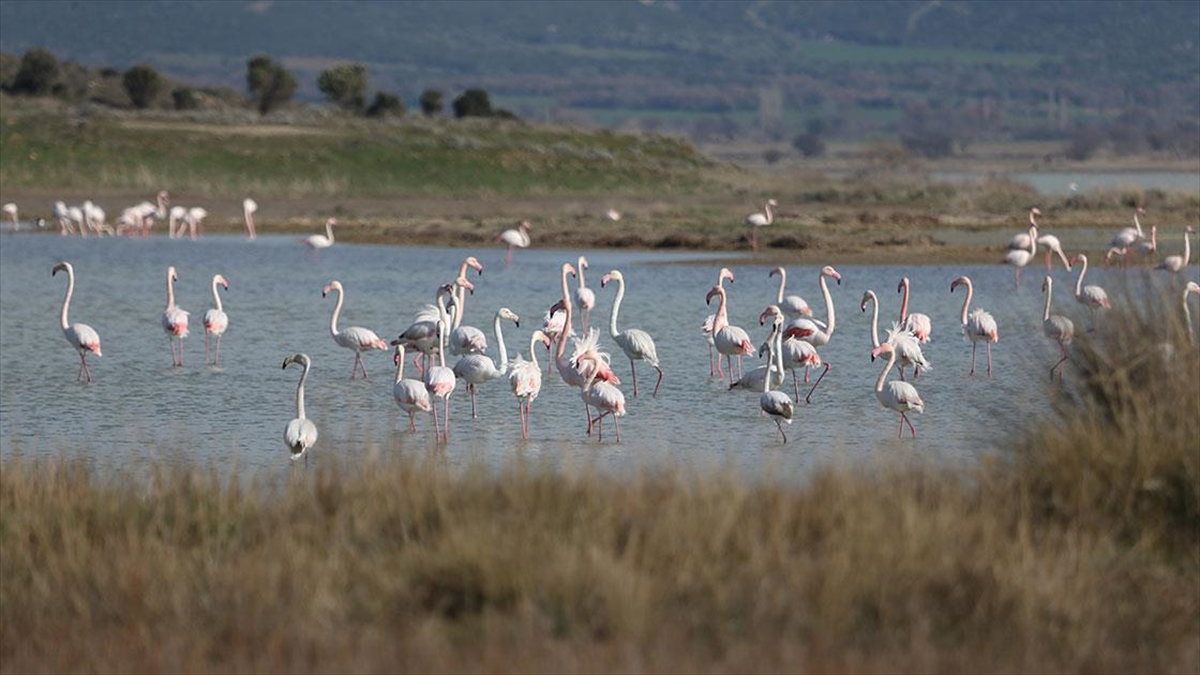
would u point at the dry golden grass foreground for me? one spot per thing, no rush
(1078, 550)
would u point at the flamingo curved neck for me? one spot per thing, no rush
(782, 283)
(612, 320)
(533, 341)
(1079, 281)
(460, 306)
(1187, 248)
(329, 231)
(883, 375)
(772, 350)
(399, 363)
(1137, 224)
(967, 300)
(170, 292)
(832, 318)
(1049, 292)
(441, 327)
(722, 319)
(582, 283)
(337, 309)
(71, 291)
(1187, 317)
(300, 393)
(770, 215)
(874, 320)
(500, 341)
(903, 303)
(566, 298)
(216, 296)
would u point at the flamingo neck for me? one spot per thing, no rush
(500, 341)
(772, 350)
(400, 364)
(967, 300)
(782, 283)
(612, 320)
(161, 211)
(828, 306)
(562, 334)
(460, 300)
(1079, 281)
(533, 342)
(883, 375)
(1033, 222)
(170, 292)
(337, 309)
(300, 393)
(770, 215)
(722, 315)
(329, 231)
(216, 296)
(1137, 224)
(71, 291)
(874, 320)
(1187, 317)
(1049, 292)
(441, 326)
(1187, 249)
(778, 350)
(582, 283)
(903, 303)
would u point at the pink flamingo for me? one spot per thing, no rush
(1056, 327)
(316, 242)
(1093, 297)
(1126, 237)
(908, 348)
(300, 434)
(979, 326)
(776, 404)
(767, 374)
(421, 335)
(518, 237)
(604, 397)
(525, 379)
(1191, 288)
(355, 338)
(896, 395)
(411, 395)
(757, 220)
(793, 306)
(249, 207)
(729, 340)
(477, 369)
(81, 336)
(707, 326)
(1175, 264)
(1022, 240)
(553, 325)
(174, 319)
(440, 382)
(215, 320)
(810, 330)
(916, 323)
(635, 342)
(1019, 258)
(464, 339)
(1053, 246)
(585, 298)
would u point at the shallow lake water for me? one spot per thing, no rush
(141, 408)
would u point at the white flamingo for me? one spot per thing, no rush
(319, 241)
(464, 339)
(215, 320)
(1175, 263)
(1191, 288)
(174, 319)
(81, 336)
(1093, 297)
(776, 404)
(1056, 327)
(300, 434)
(476, 369)
(793, 306)
(1053, 246)
(422, 334)
(175, 221)
(707, 326)
(249, 207)
(1024, 240)
(635, 342)
(908, 347)
(585, 298)
(1019, 258)
(440, 383)
(978, 327)
(518, 238)
(194, 219)
(920, 325)
(1127, 237)
(10, 210)
(896, 395)
(355, 338)
(598, 394)
(525, 379)
(729, 340)
(757, 220)
(63, 218)
(553, 325)
(813, 331)
(767, 374)
(411, 395)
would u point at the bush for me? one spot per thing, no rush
(473, 103)
(37, 74)
(185, 98)
(345, 85)
(929, 143)
(772, 156)
(270, 84)
(1083, 143)
(386, 105)
(809, 145)
(142, 84)
(431, 103)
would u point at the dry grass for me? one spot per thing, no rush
(1079, 551)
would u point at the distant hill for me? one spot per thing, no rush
(677, 63)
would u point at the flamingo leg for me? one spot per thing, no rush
(205, 347)
(900, 433)
(1047, 261)
(795, 386)
(437, 426)
(808, 399)
(217, 356)
(521, 414)
(412, 421)
(989, 350)
(779, 425)
(617, 424)
(471, 389)
(659, 381)
(754, 239)
(729, 367)
(1063, 350)
(909, 423)
(633, 369)
(446, 420)
(806, 370)
(180, 352)
(901, 369)
(974, 347)
(711, 371)
(363, 364)
(508, 257)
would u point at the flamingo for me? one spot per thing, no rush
(1092, 297)
(757, 220)
(793, 306)
(10, 210)
(613, 215)
(916, 323)
(525, 379)
(775, 403)
(767, 374)
(479, 368)
(1022, 240)
(440, 382)
(1126, 237)
(979, 326)
(1053, 245)
(707, 326)
(1148, 248)
(63, 218)
(518, 237)
(1192, 287)
(553, 325)
(175, 219)
(810, 330)
(908, 347)
(585, 298)
(635, 342)
(896, 395)
(1019, 258)
(249, 206)
(94, 217)
(194, 219)
(354, 337)
(604, 397)
(1174, 263)
(729, 340)
(301, 433)
(421, 335)
(81, 336)
(215, 320)
(76, 215)
(174, 319)
(410, 395)
(464, 339)
(1056, 327)
(319, 241)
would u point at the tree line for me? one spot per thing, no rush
(269, 86)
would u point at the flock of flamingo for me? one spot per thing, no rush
(792, 344)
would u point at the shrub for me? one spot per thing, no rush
(185, 98)
(37, 74)
(385, 105)
(142, 83)
(345, 85)
(809, 145)
(431, 103)
(473, 103)
(270, 84)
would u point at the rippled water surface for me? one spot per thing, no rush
(140, 408)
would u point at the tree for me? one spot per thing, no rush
(473, 103)
(185, 98)
(270, 84)
(142, 83)
(345, 85)
(431, 103)
(38, 71)
(386, 104)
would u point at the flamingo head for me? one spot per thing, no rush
(725, 274)
(302, 359)
(1047, 283)
(583, 263)
(614, 275)
(568, 268)
(1189, 230)
(903, 285)
(772, 202)
(249, 205)
(1035, 211)
(958, 282)
(1192, 287)
(1140, 210)
(331, 222)
(541, 337)
(399, 355)
(526, 225)
(506, 313)
(828, 271)
(558, 307)
(61, 267)
(463, 282)
(163, 196)
(778, 270)
(473, 263)
(221, 280)
(866, 296)
(714, 292)
(1078, 258)
(772, 312)
(885, 348)
(331, 286)
(172, 274)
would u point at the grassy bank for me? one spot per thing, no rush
(1079, 551)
